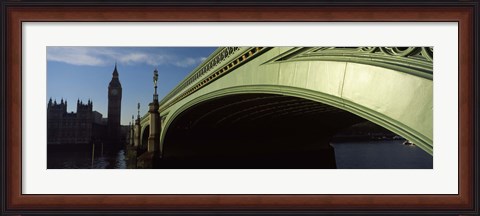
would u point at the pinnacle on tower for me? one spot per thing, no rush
(115, 72)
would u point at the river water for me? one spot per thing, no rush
(381, 154)
(83, 160)
(384, 154)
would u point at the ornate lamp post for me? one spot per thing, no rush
(155, 80)
(138, 111)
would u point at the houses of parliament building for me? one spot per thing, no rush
(86, 126)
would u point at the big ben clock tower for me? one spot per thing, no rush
(114, 109)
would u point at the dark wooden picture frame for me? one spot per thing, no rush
(16, 12)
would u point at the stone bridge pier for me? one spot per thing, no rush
(141, 154)
(147, 151)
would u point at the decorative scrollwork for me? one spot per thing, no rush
(427, 52)
(414, 60)
(416, 52)
(401, 51)
(369, 49)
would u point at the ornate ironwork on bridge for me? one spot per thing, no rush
(414, 60)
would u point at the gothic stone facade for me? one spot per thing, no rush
(70, 128)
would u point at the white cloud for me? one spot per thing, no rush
(73, 55)
(98, 56)
(133, 58)
(187, 62)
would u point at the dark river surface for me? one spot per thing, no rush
(82, 159)
(382, 154)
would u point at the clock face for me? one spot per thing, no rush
(114, 91)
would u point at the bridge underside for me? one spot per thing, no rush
(255, 131)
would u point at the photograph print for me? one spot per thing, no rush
(239, 107)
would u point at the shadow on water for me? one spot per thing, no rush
(370, 154)
(80, 157)
(366, 154)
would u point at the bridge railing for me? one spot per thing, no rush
(220, 61)
(213, 60)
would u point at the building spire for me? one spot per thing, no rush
(115, 72)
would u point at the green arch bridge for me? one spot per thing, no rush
(286, 100)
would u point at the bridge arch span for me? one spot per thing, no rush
(393, 91)
(301, 93)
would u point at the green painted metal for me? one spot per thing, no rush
(392, 87)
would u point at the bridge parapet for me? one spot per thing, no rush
(219, 63)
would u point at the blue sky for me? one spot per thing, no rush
(84, 73)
